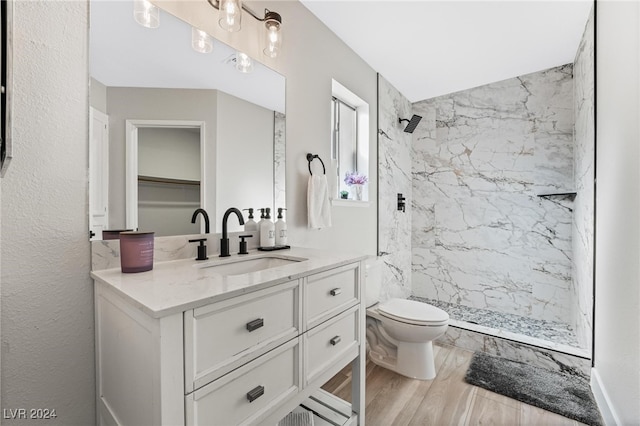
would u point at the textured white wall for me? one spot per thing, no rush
(312, 55)
(617, 302)
(47, 295)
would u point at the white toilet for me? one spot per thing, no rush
(400, 332)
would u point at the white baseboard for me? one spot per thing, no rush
(602, 399)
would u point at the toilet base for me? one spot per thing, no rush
(418, 360)
(414, 360)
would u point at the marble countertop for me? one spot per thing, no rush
(175, 286)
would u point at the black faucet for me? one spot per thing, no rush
(224, 241)
(206, 219)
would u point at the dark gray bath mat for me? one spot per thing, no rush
(564, 394)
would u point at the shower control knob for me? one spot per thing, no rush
(401, 203)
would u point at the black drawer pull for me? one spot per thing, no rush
(335, 340)
(255, 324)
(335, 291)
(255, 393)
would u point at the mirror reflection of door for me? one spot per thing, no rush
(98, 173)
(165, 178)
(168, 179)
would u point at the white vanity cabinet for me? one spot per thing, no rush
(249, 357)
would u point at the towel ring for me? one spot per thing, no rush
(310, 158)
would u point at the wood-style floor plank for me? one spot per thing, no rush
(496, 397)
(487, 412)
(449, 398)
(337, 382)
(391, 400)
(395, 400)
(530, 415)
(403, 418)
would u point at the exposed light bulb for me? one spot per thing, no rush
(273, 42)
(274, 36)
(230, 15)
(146, 14)
(201, 41)
(244, 64)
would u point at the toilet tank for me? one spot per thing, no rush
(373, 280)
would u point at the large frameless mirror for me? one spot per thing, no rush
(173, 129)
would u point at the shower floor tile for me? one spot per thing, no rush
(539, 329)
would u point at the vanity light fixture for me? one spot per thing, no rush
(231, 15)
(201, 41)
(146, 14)
(244, 64)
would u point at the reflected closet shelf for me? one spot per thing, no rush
(168, 181)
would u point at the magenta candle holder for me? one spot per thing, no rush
(136, 251)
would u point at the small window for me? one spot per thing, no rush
(349, 142)
(344, 147)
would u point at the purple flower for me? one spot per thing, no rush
(355, 179)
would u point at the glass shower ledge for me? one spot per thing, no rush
(570, 195)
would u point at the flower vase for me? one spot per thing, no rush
(357, 191)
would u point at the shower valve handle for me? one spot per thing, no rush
(401, 203)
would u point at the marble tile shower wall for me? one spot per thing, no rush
(481, 236)
(583, 163)
(394, 176)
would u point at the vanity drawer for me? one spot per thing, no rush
(270, 379)
(330, 292)
(225, 335)
(330, 341)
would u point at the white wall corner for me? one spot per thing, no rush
(601, 396)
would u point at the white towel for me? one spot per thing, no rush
(295, 418)
(318, 205)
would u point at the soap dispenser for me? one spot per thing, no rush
(267, 230)
(250, 225)
(281, 229)
(260, 224)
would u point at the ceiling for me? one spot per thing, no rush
(424, 48)
(124, 54)
(430, 48)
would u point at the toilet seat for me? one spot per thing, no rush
(413, 312)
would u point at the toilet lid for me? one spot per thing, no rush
(413, 311)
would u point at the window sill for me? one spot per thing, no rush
(340, 202)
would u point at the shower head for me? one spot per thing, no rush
(412, 123)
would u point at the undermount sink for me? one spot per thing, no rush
(245, 266)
